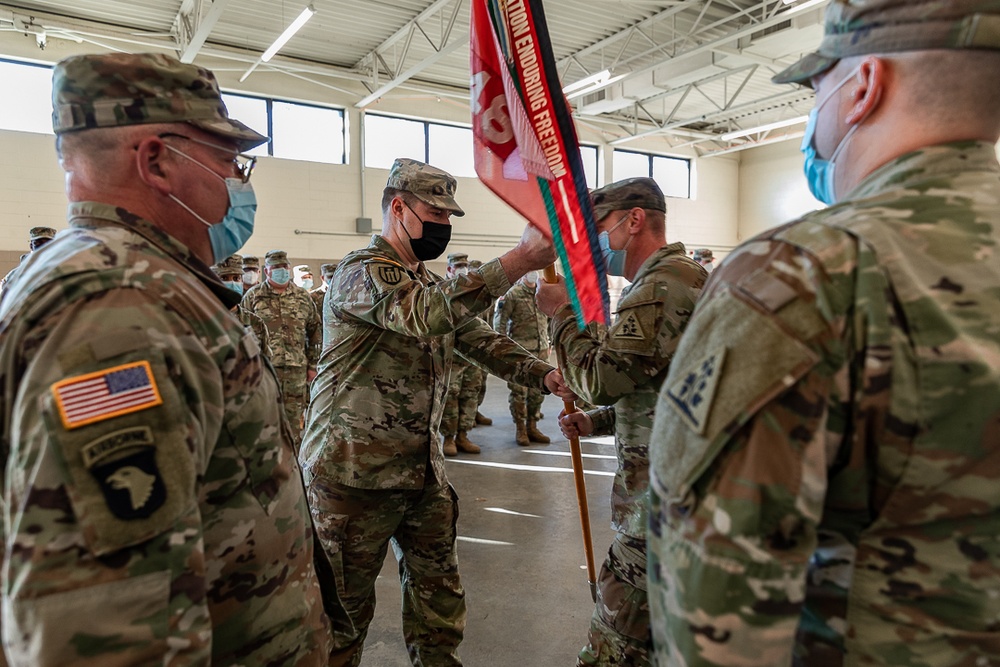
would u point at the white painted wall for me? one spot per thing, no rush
(772, 188)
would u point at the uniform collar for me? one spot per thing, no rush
(657, 257)
(912, 170)
(91, 215)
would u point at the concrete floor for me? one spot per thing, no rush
(520, 547)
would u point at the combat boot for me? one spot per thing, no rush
(522, 434)
(535, 435)
(464, 444)
(483, 420)
(449, 446)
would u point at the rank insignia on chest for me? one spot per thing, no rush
(112, 392)
(124, 465)
(692, 393)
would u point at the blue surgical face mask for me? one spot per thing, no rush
(307, 283)
(235, 286)
(614, 260)
(280, 276)
(235, 229)
(819, 172)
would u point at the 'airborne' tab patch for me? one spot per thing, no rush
(691, 395)
(112, 392)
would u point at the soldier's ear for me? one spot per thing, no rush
(153, 164)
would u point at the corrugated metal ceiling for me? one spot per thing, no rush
(690, 69)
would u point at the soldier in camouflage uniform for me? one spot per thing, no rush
(251, 272)
(326, 275)
(303, 277)
(826, 452)
(622, 367)
(371, 451)
(704, 257)
(518, 316)
(37, 237)
(477, 376)
(459, 414)
(154, 510)
(230, 272)
(296, 333)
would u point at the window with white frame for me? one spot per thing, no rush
(447, 147)
(298, 131)
(590, 161)
(672, 174)
(28, 106)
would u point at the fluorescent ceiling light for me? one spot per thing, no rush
(289, 31)
(598, 78)
(282, 39)
(729, 136)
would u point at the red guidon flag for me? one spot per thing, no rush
(525, 144)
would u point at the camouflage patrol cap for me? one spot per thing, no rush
(435, 187)
(250, 262)
(627, 194)
(456, 258)
(859, 27)
(228, 270)
(276, 258)
(116, 89)
(702, 254)
(38, 233)
(326, 270)
(475, 263)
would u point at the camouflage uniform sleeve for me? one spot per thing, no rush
(739, 455)
(105, 538)
(381, 292)
(500, 355)
(604, 420)
(603, 365)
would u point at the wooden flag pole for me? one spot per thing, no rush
(549, 276)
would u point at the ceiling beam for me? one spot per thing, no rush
(409, 74)
(193, 29)
(743, 30)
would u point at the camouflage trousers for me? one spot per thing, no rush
(619, 629)
(478, 381)
(294, 396)
(356, 527)
(525, 403)
(460, 407)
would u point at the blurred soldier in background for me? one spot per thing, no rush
(517, 316)
(230, 272)
(251, 272)
(477, 376)
(295, 332)
(326, 275)
(37, 237)
(459, 415)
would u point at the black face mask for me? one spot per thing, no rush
(433, 241)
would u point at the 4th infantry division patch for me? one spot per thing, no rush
(94, 397)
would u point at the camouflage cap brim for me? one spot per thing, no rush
(444, 202)
(233, 129)
(805, 69)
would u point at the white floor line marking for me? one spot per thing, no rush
(517, 466)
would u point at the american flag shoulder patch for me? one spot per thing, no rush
(112, 392)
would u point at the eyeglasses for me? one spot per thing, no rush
(243, 163)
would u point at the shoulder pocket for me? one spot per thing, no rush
(637, 324)
(734, 358)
